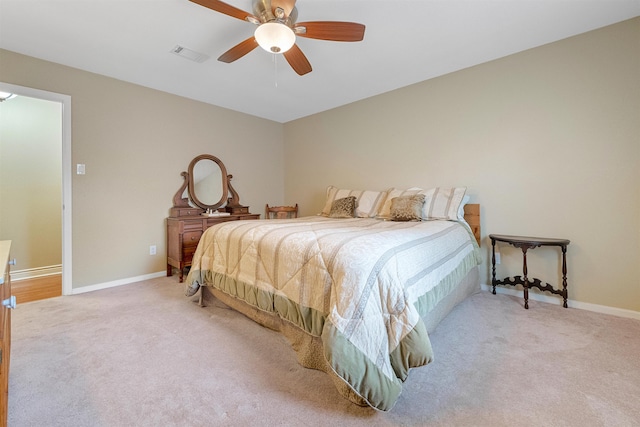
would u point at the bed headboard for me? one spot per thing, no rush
(472, 216)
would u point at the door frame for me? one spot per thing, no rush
(65, 100)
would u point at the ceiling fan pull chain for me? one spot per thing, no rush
(275, 69)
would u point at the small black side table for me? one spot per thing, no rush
(526, 243)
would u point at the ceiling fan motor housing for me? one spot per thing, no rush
(267, 12)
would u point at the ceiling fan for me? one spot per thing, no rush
(277, 30)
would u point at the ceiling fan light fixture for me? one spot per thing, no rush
(275, 37)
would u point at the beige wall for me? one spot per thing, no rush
(31, 181)
(135, 142)
(547, 141)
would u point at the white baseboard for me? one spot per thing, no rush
(620, 312)
(557, 300)
(30, 273)
(115, 283)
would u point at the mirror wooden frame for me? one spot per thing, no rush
(191, 189)
(182, 202)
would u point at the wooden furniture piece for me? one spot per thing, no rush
(8, 302)
(526, 243)
(280, 212)
(202, 201)
(472, 217)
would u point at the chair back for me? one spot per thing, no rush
(280, 212)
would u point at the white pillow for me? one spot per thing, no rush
(465, 200)
(443, 203)
(368, 201)
(385, 209)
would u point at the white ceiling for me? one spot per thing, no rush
(405, 42)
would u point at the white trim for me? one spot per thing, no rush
(65, 100)
(120, 282)
(614, 311)
(31, 273)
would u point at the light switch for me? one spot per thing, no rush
(80, 169)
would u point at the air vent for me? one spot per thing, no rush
(189, 54)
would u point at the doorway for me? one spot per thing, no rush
(63, 102)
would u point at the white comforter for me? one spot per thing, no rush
(356, 283)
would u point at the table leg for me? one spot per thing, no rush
(564, 275)
(526, 281)
(493, 265)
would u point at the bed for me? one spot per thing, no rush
(355, 293)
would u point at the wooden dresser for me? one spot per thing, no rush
(208, 187)
(184, 229)
(8, 302)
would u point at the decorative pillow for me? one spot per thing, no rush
(407, 208)
(367, 202)
(385, 209)
(343, 208)
(442, 203)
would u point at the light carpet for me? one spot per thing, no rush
(145, 355)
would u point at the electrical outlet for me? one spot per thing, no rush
(497, 257)
(152, 250)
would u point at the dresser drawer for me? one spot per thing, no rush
(192, 225)
(235, 210)
(191, 238)
(181, 212)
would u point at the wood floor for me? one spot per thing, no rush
(37, 288)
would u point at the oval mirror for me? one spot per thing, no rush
(207, 182)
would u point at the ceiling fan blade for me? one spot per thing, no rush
(297, 60)
(331, 30)
(225, 8)
(239, 50)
